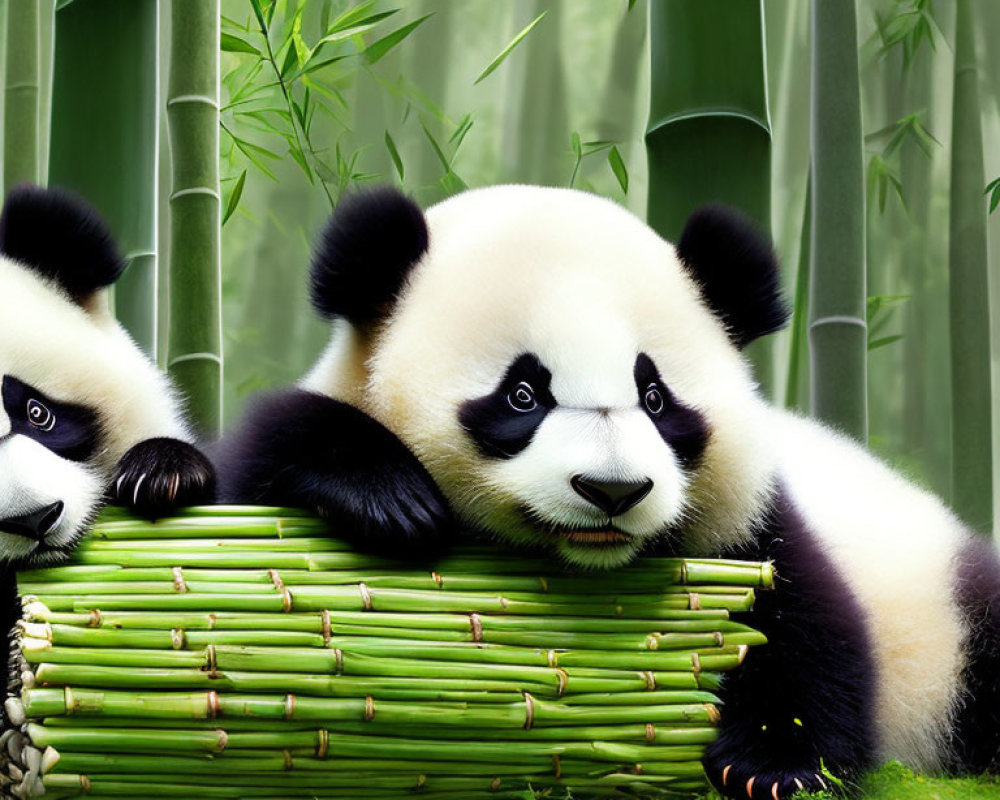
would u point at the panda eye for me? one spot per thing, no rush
(653, 399)
(39, 416)
(522, 398)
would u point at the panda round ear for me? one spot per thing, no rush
(736, 269)
(61, 237)
(364, 254)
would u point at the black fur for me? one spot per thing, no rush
(60, 236)
(817, 668)
(737, 271)
(68, 429)
(683, 428)
(159, 475)
(498, 427)
(10, 613)
(364, 254)
(300, 448)
(976, 743)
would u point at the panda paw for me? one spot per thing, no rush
(742, 776)
(397, 510)
(159, 475)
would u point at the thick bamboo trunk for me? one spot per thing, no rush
(837, 329)
(972, 475)
(709, 138)
(105, 137)
(21, 95)
(194, 350)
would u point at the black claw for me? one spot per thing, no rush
(157, 476)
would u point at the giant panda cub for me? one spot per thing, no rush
(84, 415)
(538, 365)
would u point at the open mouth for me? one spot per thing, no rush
(594, 537)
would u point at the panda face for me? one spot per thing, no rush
(554, 366)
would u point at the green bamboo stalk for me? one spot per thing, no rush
(194, 350)
(797, 386)
(972, 470)
(837, 332)
(46, 68)
(21, 95)
(709, 135)
(104, 137)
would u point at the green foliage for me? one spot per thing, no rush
(910, 23)
(496, 62)
(582, 150)
(879, 314)
(994, 187)
(883, 171)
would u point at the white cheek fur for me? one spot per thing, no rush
(32, 476)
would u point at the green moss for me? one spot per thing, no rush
(896, 782)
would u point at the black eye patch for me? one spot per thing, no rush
(503, 422)
(683, 428)
(69, 430)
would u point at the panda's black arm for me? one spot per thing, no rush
(806, 698)
(301, 448)
(10, 613)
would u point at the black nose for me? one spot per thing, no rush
(35, 524)
(612, 498)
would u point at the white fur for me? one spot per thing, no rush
(77, 354)
(584, 285)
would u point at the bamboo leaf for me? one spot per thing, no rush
(300, 159)
(437, 148)
(339, 32)
(618, 168)
(993, 186)
(496, 62)
(255, 5)
(394, 153)
(234, 44)
(377, 50)
(885, 340)
(234, 197)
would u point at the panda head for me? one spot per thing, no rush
(568, 378)
(76, 391)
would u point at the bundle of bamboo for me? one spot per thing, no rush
(241, 652)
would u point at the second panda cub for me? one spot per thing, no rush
(538, 365)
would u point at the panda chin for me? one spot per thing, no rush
(597, 549)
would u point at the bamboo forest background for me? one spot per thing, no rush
(663, 106)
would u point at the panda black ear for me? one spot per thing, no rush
(61, 237)
(364, 254)
(736, 269)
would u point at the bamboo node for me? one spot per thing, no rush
(684, 572)
(637, 769)
(95, 618)
(553, 658)
(180, 585)
(327, 628)
(713, 714)
(477, 627)
(211, 658)
(214, 706)
(421, 781)
(556, 766)
(223, 739)
(289, 764)
(619, 611)
(652, 643)
(504, 602)
(177, 638)
(719, 639)
(438, 580)
(276, 579)
(69, 700)
(366, 597)
(289, 706)
(286, 600)
(543, 583)
(212, 620)
(650, 733)
(529, 708)
(696, 663)
(650, 679)
(495, 785)
(563, 682)
(369, 708)
(323, 747)
(694, 602)
(338, 656)
(85, 784)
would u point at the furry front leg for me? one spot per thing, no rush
(805, 701)
(162, 474)
(300, 448)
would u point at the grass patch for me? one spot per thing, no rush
(896, 782)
